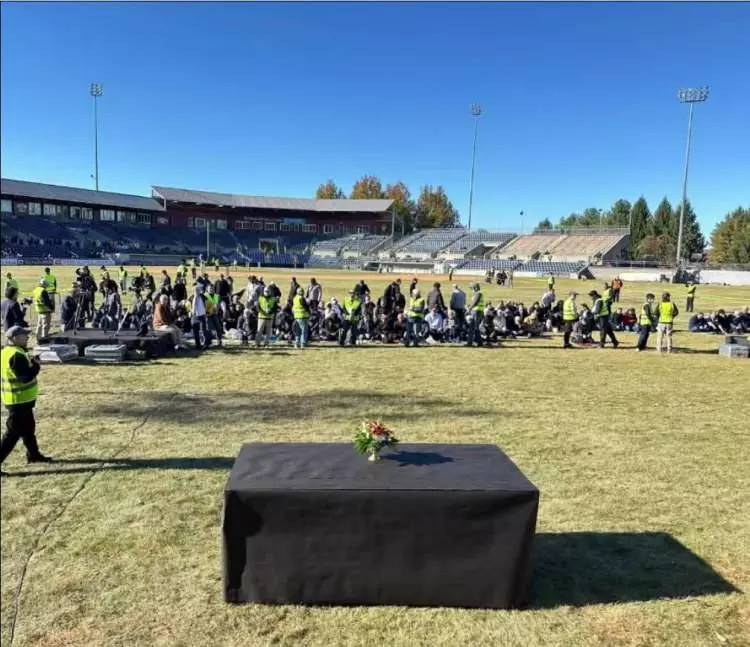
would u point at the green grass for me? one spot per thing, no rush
(644, 521)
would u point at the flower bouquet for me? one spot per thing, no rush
(372, 437)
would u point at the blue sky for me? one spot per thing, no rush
(579, 100)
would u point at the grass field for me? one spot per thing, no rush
(642, 462)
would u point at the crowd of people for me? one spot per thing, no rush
(192, 305)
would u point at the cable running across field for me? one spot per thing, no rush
(61, 511)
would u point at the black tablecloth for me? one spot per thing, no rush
(428, 525)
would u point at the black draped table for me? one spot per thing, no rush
(428, 525)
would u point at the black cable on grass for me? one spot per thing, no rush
(61, 511)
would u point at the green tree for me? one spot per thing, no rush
(640, 225)
(590, 217)
(692, 238)
(544, 224)
(367, 187)
(730, 239)
(619, 214)
(329, 191)
(434, 209)
(658, 248)
(663, 222)
(403, 204)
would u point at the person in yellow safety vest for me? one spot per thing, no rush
(301, 313)
(608, 296)
(10, 282)
(645, 322)
(414, 318)
(122, 279)
(690, 301)
(667, 312)
(551, 282)
(602, 312)
(213, 315)
(44, 307)
(19, 371)
(50, 282)
(268, 306)
(476, 314)
(352, 313)
(570, 316)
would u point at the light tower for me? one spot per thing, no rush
(689, 96)
(476, 110)
(96, 92)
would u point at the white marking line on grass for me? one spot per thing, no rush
(94, 471)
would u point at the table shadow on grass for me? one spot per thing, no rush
(583, 568)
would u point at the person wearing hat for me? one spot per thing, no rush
(44, 307)
(268, 306)
(570, 316)
(19, 393)
(476, 314)
(352, 314)
(601, 314)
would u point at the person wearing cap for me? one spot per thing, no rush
(44, 307)
(268, 306)
(19, 371)
(570, 316)
(301, 313)
(667, 311)
(352, 314)
(645, 322)
(601, 312)
(476, 314)
(414, 318)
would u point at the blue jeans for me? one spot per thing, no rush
(413, 325)
(301, 332)
(199, 326)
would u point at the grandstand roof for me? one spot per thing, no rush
(72, 194)
(252, 201)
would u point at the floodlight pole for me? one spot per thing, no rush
(689, 96)
(208, 240)
(476, 110)
(96, 92)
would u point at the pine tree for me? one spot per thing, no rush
(692, 238)
(730, 239)
(640, 218)
(619, 214)
(663, 223)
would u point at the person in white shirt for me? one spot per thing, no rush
(436, 324)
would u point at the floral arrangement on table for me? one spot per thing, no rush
(372, 437)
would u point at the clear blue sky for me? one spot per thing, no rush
(579, 100)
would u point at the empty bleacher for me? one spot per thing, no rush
(590, 245)
(484, 264)
(525, 247)
(561, 268)
(431, 241)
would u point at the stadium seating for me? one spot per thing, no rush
(485, 264)
(430, 242)
(553, 267)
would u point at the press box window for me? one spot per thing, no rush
(107, 215)
(35, 209)
(6, 206)
(87, 213)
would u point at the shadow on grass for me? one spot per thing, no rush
(582, 568)
(238, 407)
(84, 465)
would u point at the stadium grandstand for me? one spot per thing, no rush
(593, 246)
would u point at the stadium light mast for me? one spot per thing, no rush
(96, 92)
(476, 111)
(690, 96)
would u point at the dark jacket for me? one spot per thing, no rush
(12, 314)
(435, 298)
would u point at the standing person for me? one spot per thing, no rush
(166, 284)
(314, 294)
(10, 282)
(550, 282)
(50, 284)
(601, 312)
(414, 318)
(19, 393)
(458, 307)
(179, 290)
(293, 287)
(413, 285)
(268, 305)
(667, 312)
(122, 279)
(223, 287)
(646, 322)
(450, 273)
(44, 308)
(510, 278)
(12, 312)
(213, 314)
(607, 295)
(435, 298)
(690, 301)
(570, 316)
(476, 314)
(198, 318)
(616, 287)
(301, 313)
(352, 314)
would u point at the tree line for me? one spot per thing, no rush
(432, 208)
(653, 236)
